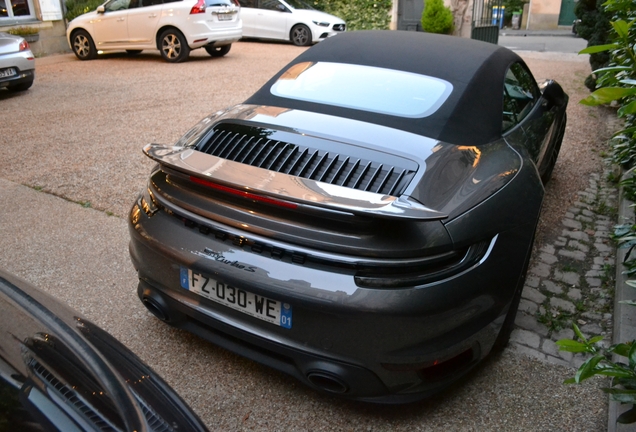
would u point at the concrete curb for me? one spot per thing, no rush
(523, 33)
(624, 315)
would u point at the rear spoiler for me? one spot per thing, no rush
(297, 191)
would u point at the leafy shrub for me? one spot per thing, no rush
(437, 18)
(616, 84)
(75, 8)
(595, 29)
(359, 14)
(23, 31)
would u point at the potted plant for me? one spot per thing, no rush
(30, 34)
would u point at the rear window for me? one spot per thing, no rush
(365, 88)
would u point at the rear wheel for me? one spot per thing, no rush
(173, 46)
(218, 51)
(509, 322)
(300, 35)
(83, 45)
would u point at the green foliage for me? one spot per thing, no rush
(617, 81)
(437, 18)
(75, 8)
(23, 31)
(358, 14)
(512, 6)
(594, 27)
(623, 385)
(616, 84)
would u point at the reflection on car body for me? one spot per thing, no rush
(60, 372)
(395, 224)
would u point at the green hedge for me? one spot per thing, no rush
(75, 8)
(437, 18)
(359, 14)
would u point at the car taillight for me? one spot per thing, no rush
(24, 45)
(236, 3)
(244, 194)
(198, 8)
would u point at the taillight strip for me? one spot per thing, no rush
(244, 194)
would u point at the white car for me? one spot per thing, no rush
(291, 20)
(17, 63)
(173, 27)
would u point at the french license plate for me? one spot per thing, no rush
(225, 17)
(7, 72)
(260, 307)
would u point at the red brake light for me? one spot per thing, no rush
(198, 8)
(236, 3)
(244, 194)
(24, 45)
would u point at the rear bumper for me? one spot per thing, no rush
(217, 37)
(369, 344)
(24, 76)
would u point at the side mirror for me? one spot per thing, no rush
(100, 9)
(553, 93)
(281, 8)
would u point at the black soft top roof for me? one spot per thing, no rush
(471, 115)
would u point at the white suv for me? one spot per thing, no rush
(174, 27)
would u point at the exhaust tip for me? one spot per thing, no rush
(327, 382)
(155, 308)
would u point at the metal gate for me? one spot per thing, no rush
(410, 15)
(566, 15)
(488, 17)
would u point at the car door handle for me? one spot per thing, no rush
(152, 16)
(121, 19)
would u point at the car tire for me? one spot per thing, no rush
(133, 52)
(83, 45)
(556, 147)
(509, 322)
(300, 35)
(173, 46)
(218, 51)
(20, 87)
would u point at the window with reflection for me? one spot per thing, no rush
(16, 9)
(520, 94)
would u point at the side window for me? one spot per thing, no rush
(249, 3)
(520, 94)
(271, 5)
(117, 5)
(145, 3)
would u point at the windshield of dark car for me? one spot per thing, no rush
(366, 88)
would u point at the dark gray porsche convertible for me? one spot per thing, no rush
(364, 221)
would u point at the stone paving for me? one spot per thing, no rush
(571, 279)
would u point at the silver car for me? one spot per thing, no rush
(17, 63)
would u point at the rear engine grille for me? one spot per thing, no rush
(252, 146)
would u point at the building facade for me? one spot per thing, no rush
(46, 16)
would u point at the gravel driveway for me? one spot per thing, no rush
(78, 133)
